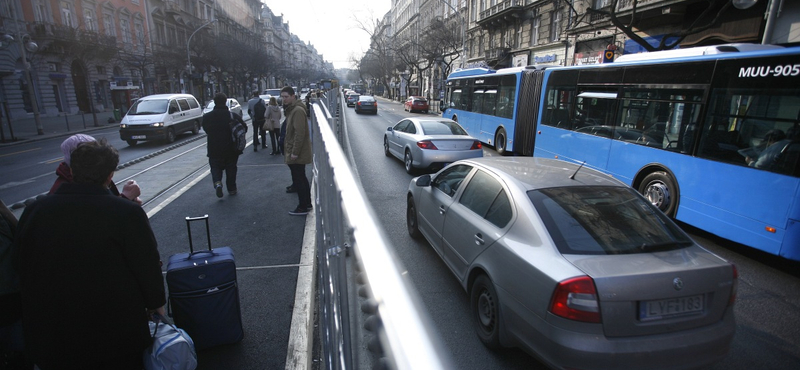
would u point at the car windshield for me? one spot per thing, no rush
(605, 220)
(441, 128)
(143, 107)
(273, 92)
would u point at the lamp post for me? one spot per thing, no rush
(189, 55)
(463, 30)
(26, 45)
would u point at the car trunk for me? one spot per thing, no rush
(452, 143)
(662, 292)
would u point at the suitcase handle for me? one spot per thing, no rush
(189, 228)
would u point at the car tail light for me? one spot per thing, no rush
(476, 145)
(426, 144)
(576, 299)
(735, 285)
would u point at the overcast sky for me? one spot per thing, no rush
(330, 25)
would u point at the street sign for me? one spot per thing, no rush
(608, 56)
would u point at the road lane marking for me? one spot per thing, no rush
(20, 152)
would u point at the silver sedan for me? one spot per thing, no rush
(429, 143)
(233, 106)
(574, 266)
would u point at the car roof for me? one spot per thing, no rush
(165, 96)
(368, 97)
(532, 173)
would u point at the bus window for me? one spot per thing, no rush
(489, 102)
(454, 98)
(506, 96)
(756, 128)
(477, 100)
(594, 108)
(661, 118)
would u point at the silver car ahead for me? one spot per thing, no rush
(233, 106)
(573, 266)
(429, 142)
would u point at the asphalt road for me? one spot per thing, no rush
(767, 306)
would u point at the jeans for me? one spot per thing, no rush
(300, 183)
(256, 131)
(227, 164)
(273, 138)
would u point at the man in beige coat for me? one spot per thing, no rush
(297, 148)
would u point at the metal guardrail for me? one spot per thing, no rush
(370, 316)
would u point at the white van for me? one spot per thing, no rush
(162, 116)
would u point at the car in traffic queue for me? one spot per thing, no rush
(161, 117)
(573, 266)
(366, 103)
(416, 103)
(429, 143)
(351, 98)
(233, 106)
(275, 93)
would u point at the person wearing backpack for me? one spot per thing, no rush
(256, 108)
(223, 155)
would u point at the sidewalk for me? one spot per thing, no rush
(24, 129)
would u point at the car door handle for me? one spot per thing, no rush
(479, 239)
(441, 210)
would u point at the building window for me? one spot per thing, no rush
(139, 33)
(40, 11)
(600, 4)
(108, 25)
(67, 17)
(555, 25)
(91, 21)
(125, 28)
(536, 22)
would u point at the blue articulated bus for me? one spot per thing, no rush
(713, 140)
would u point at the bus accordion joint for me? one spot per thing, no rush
(770, 229)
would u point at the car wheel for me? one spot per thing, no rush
(131, 142)
(195, 128)
(408, 160)
(500, 141)
(411, 219)
(485, 308)
(386, 147)
(170, 136)
(660, 189)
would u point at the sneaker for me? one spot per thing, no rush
(299, 212)
(218, 187)
(232, 192)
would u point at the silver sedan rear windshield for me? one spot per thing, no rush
(605, 220)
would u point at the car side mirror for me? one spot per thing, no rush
(423, 181)
(389, 129)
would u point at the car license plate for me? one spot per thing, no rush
(367, 104)
(666, 308)
(139, 137)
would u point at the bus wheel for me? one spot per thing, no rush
(660, 189)
(500, 141)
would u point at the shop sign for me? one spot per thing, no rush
(593, 57)
(549, 58)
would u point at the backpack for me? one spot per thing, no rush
(259, 110)
(238, 134)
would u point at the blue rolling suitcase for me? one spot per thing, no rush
(203, 293)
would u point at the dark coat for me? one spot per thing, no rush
(217, 126)
(89, 269)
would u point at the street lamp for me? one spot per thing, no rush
(189, 55)
(26, 44)
(463, 27)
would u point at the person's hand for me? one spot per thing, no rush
(159, 311)
(294, 156)
(132, 191)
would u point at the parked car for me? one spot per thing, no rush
(416, 103)
(351, 99)
(366, 103)
(573, 266)
(429, 143)
(272, 93)
(161, 117)
(233, 106)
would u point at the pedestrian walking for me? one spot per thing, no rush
(273, 123)
(223, 156)
(256, 109)
(297, 146)
(89, 271)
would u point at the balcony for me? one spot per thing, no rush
(506, 11)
